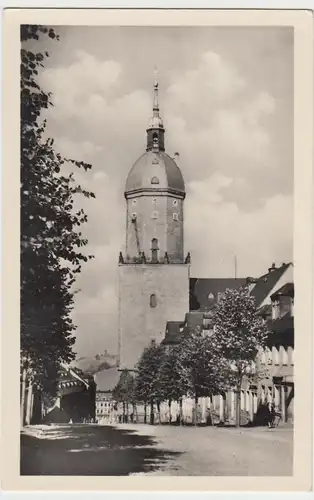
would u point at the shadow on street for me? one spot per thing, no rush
(90, 450)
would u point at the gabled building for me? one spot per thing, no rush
(275, 363)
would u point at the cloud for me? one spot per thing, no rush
(234, 132)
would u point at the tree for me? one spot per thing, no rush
(124, 392)
(51, 240)
(147, 387)
(202, 372)
(238, 334)
(170, 384)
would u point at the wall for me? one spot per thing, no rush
(138, 322)
(168, 232)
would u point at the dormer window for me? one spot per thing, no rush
(155, 180)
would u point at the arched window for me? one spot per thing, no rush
(153, 300)
(154, 250)
(154, 180)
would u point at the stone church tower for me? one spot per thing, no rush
(153, 272)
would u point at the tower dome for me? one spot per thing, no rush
(155, 170)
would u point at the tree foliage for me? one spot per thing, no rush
(238, 335)
(202, 371)
(51, 239)
(147, 387)
(124, 390)
(238, 331)
(170, 384)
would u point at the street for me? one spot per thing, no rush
(128, 449)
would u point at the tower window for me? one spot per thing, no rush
(155, 214)
(175, 216)
(154, 200)
(155, 161)
(175, 202)
(155, 180)
(153, 300)
(134, 202)
(154, 250)
(134, 216)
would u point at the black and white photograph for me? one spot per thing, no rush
(157, 265)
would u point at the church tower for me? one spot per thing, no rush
(153, 272)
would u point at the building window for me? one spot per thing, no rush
(155, 180)
(175, 202)
(134, 216)
(154, 200)
(275, 310)
(153, 300)
(175, 216)
(134, 202)
(155, 214)
(275, 356)
(284, 355)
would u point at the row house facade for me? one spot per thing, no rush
(273, 380)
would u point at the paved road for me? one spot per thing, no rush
(156, 450)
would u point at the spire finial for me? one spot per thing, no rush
(156, 105)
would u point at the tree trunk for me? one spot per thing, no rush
(123, 412)
(158, 410)
(238, 405)
(152, 413)
(23, 390)
(145, 413)
(127, 413)
(169, 406)
(181, 411)
(134, 413)
(29, 404)
(195, 409)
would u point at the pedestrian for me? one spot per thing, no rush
(271, 414)
(208, 417)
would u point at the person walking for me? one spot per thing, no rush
(271, 414)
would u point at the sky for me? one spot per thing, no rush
(226, 99)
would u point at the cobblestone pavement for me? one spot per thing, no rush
(129, 449)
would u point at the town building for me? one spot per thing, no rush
(104, 407)
(74, 402)
(275, 363)
(273, 380)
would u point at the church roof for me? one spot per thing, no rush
(157, 171)
(204, 291)
(265, 284)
